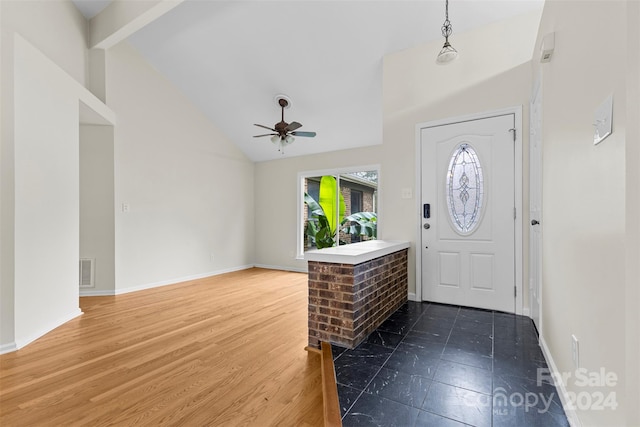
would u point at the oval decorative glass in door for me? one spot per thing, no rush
(464, 189)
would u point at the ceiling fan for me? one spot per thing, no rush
(283, 132)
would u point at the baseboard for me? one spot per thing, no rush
(21, 342)
(96, 293)
(412, 297)
(572, 415)
(279, 267)
(87, 292)
(8, 348)
(526, 312)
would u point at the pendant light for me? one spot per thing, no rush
(448, 53)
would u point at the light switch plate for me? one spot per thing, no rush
(603, 120)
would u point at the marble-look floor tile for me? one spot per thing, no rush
(427, 419)
(354, 375)
(385, 339)
(473, 327)
(476, 315)
(470, 342)
(431, 323)
(395, 325)
(408, 316)
(412, 361)
(346, 398)
(462, 405)
(432, 333)
(377, 411)
(336, 350)
(464, 376)
(466, 361)
(371, 354)
(443, 311)
(534, 396)
(423, 343)
(520, 351)
(413, 307)
(511, 366)
(468, 358)
(400, 387)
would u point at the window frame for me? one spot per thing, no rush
(334, 172)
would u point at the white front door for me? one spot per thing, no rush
(468, 211)
(535, 204)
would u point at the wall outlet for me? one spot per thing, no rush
(125, 207)
(575, 351)
(406, 193)
(212, 257)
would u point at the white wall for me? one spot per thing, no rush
(632, 146)
(56, 28)
(275, 202)
(46, 196)
(189, 189)
(28, 254)
(97, 212)
(584, 278)
(415, 90)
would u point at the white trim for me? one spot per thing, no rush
(164, 282)
(418, 198)
(526, 312)
(8, 348)
(569, 410)
(517, 112)
(537, 92)
(412, 297)
(279, 267)
(96, 293)
(519, 209)
(21, 342)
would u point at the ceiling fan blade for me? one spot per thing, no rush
(264, 134)
(293, 126)
(263, 126)
(308, 134)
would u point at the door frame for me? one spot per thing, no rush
(518, 244)
(536, 95)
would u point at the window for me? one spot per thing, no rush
(355, 206)
(337, 207)
(464, 189)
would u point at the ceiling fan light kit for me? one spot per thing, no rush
(284, 132)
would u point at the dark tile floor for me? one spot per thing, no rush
(441, 365)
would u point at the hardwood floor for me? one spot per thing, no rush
(223, 351)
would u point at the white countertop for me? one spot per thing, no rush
(356, 253)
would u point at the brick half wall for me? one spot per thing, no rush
(347, 302)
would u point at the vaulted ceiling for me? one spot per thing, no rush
(231, 58)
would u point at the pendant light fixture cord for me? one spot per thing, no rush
(446, 26)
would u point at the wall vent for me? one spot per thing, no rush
(86, 272)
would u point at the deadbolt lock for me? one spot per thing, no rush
(427, 226)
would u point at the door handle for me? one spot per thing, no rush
(535, 222)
